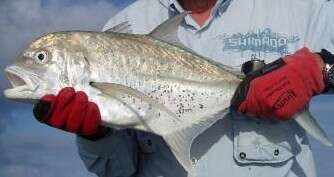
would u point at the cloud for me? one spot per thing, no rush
(28, 148)
(34, 155)
(6, 118)
(4, 122)
(21, 21)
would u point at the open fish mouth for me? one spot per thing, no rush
(22, 85)
(15, 79)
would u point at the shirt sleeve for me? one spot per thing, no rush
(152, 13)
(321, 33)
(111, 156)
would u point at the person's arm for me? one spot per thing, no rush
(104, 151)
(263, 96)
(114, 155)
(283, 88)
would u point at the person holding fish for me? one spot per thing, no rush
(258, 138)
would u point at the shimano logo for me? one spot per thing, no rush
(284, 99)
(265, 41)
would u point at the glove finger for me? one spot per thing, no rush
(259, 103)
(294, 102)
(240, 94)
(248, 102)
(92, 120)
(44, 108)
(77, 113)
(60, 114)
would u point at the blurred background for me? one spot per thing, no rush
(30, 149)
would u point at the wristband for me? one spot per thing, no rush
(328, 71)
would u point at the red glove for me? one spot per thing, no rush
(72, 112)
(282, 88)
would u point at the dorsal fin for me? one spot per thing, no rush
(124, 27)
(167, 31)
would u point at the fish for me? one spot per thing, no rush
(149, 82)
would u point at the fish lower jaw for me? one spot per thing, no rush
(18, 92)
(23, 86)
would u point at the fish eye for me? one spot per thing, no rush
(41, 56)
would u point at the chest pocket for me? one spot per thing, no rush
(261, 141)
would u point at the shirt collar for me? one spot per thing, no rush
(174, 5)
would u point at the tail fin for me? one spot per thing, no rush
(307, 121)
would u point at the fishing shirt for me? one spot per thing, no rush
(236, 31)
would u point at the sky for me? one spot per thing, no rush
(30, 149)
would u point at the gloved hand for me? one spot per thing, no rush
(282, 88)
(72, 112)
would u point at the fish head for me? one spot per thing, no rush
(48, 64)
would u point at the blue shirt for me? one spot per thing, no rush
(236, 31)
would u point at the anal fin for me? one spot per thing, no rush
(180, 141)
(178, 133)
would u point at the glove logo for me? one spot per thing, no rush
(284, 99)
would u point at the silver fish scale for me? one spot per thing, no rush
(137, 82)
(178, 79)
(129, 54)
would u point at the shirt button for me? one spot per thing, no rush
(276, 152)
(149, 142)
(242, 155)
(193, 161)
(129, 132)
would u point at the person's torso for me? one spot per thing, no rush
(238, 31)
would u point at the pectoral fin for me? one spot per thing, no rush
(180, 141)
(141, 105)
